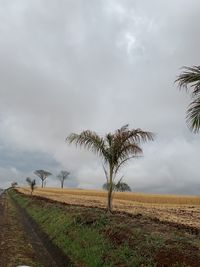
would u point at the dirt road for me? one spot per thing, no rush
(19, 243)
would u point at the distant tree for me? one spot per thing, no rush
(31, 183)
(42, 175)
(62, 176)
(189, 80)
(106, 186)
(120, 187)
(14, 184)
(115, 149)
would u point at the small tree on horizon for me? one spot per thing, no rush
(119, 187)
(14, 184)
(42, 175)
(114, 148)
(122, 187)
(62, 176)
(31, 183)
(106, 186)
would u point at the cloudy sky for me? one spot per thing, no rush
(68, 66)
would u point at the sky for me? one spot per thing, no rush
(68, 66)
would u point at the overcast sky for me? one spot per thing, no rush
(72, 65)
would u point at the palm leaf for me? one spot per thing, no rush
(193, 115)
(89, 140)
(190, 77)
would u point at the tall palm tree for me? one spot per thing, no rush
(189, 79)
(114, 148)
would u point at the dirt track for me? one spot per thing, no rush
(19, 242)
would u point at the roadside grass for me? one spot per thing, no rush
(92, 238)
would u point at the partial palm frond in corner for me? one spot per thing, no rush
(189, 80)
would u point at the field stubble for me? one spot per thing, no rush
(170, 208)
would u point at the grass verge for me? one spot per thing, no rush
(92, 238)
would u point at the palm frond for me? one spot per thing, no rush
(190, 77)
(130, 149)
(193, 115)
(124, 128)
(139, 136)
(106, 172)
(120, 179)
(120, 164)
(134, 135)
(89, 140)
(127, 143)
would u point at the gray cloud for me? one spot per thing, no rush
(70, 66)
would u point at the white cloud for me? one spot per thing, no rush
(66, 67)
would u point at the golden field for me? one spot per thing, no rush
(171, 208)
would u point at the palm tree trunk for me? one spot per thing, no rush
(109, 204)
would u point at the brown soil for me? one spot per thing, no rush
(20, 243)
(119, 235)
(173, 256)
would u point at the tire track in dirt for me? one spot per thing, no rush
(41, 241)
(20, 242)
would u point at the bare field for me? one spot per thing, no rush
(171, 208)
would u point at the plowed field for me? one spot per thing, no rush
(183, 210)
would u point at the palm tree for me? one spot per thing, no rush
(31, 183)
(189, 79)
(114, 148)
